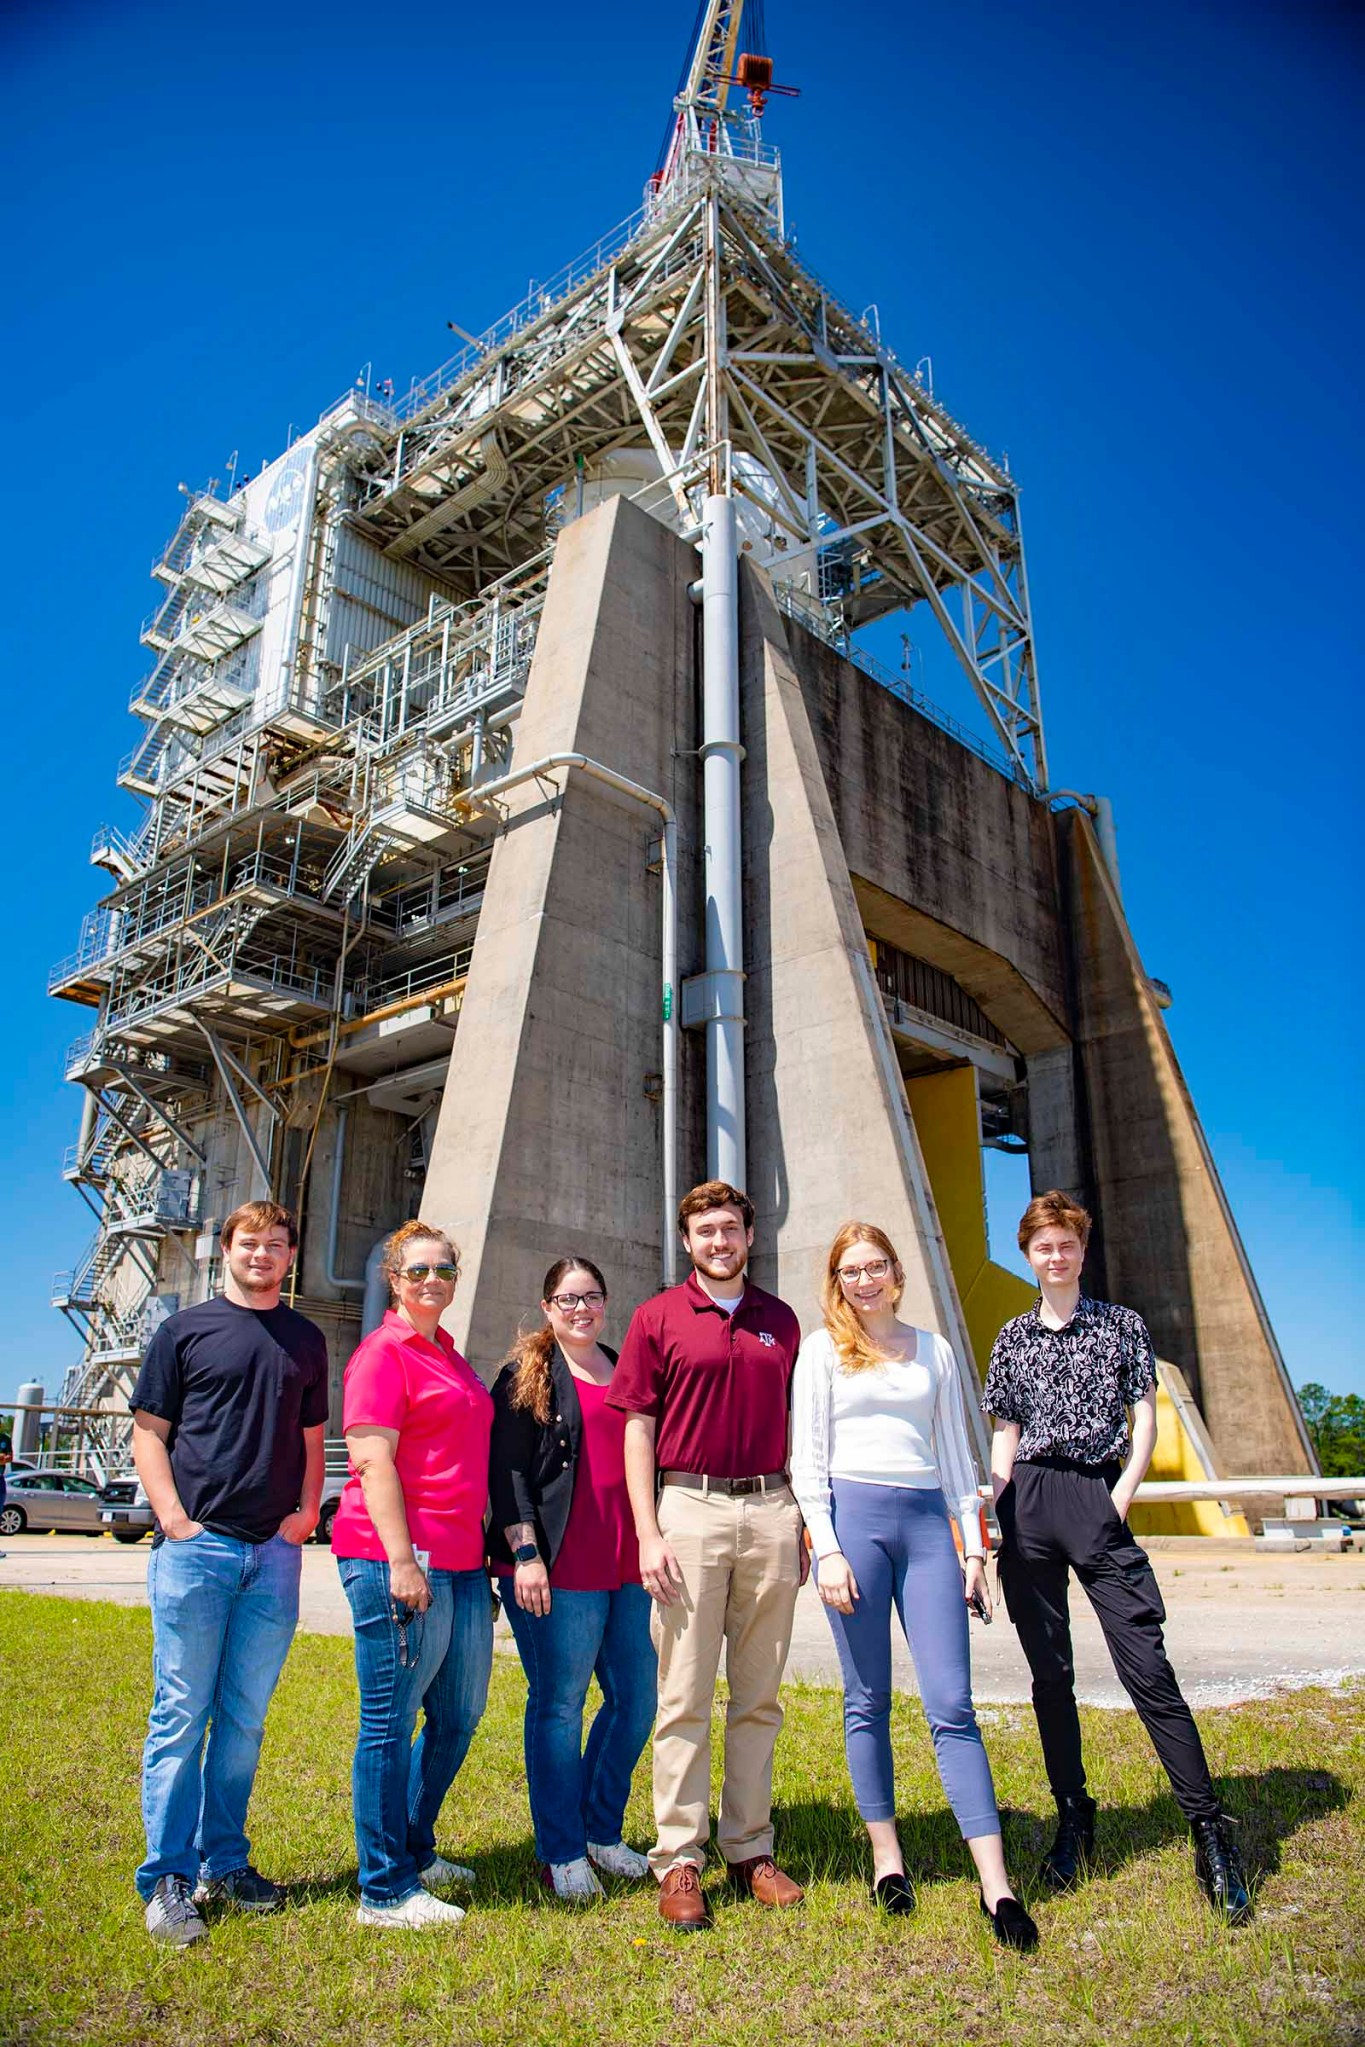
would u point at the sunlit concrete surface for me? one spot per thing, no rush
(1240, 1622)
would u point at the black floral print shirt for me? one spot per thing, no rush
(1069, 1389)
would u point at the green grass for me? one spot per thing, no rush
(1133, 1957)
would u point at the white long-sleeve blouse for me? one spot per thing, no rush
(900, 1423)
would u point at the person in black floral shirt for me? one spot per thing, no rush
(1062, 1381)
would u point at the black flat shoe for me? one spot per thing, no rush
(1011, 1925)
(894, 1893)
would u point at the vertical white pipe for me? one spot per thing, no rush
(672, 1025)
(1108, 838)
(721, 755)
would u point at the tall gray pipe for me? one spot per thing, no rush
(721, 755)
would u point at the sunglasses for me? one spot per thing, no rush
(449, 1273)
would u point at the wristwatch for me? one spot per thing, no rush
(525, 1553)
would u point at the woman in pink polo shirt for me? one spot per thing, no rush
(408, 1538)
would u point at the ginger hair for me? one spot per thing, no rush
(853, 1347)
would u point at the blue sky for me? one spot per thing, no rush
(1126, 238)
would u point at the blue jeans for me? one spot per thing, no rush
(397, 1785)
(899, 1544)
(579, 1794)
(223, 1615)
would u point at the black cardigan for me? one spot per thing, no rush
(532, 1465)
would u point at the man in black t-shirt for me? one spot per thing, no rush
(229, 1414)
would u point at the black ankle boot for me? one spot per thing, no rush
(1218, 1866)
(1074, 1845)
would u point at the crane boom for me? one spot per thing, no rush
(702, 104)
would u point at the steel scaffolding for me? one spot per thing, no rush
(343, 645)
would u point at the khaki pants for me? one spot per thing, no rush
(740, 1563)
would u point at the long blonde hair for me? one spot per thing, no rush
(853, 1347)
(531, 1353)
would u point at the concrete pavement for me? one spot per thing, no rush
(1241, 1622)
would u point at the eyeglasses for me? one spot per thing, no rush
(567, 1303)
(449, 1273)
(876, 1268)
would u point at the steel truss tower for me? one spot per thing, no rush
(340, 657)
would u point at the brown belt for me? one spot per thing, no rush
(701, 1482)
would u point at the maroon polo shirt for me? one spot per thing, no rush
(718, 1385)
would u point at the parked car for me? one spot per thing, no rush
(126, 1512)
(332, 1487)
(43, 1500)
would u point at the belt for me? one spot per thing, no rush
(701, 1482)
(1051, 1461)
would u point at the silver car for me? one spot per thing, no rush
(43, 1500)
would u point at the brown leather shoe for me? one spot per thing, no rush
(764, 1881)
(681, 1904)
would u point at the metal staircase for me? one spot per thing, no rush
(359, 853)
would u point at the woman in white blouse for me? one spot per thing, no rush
(879, 1438)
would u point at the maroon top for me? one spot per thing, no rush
(598, 1552)
(717, 1384)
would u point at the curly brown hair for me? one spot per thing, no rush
(533, 1385)
(714, 1194)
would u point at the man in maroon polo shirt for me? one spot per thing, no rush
(704, 1378)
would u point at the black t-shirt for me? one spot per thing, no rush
(238, 1386)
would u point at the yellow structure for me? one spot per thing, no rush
(947, 1122)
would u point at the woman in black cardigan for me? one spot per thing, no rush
(564, 1535)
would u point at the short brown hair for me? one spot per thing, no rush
(411, 1233)
(260, 1215)
(713, 1194)
(1053, 1211)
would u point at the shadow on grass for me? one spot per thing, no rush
(505, 1875)
(1268, 1806)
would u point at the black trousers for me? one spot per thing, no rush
(1055, 1517)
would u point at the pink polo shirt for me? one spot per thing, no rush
(444, 1416)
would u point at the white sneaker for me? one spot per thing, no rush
(416, 1914)
(619, 1860)
(575, 1881)
(438, 1872)
(171, 1915)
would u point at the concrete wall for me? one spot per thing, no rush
(830, 1137)
(951, 861)
(858, 812)
(547, 1140)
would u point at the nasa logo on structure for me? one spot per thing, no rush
(286, 494)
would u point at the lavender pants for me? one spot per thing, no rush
(899, 1544)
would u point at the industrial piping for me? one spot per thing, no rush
(374, 1286)
(669, 950)
(721, 755)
